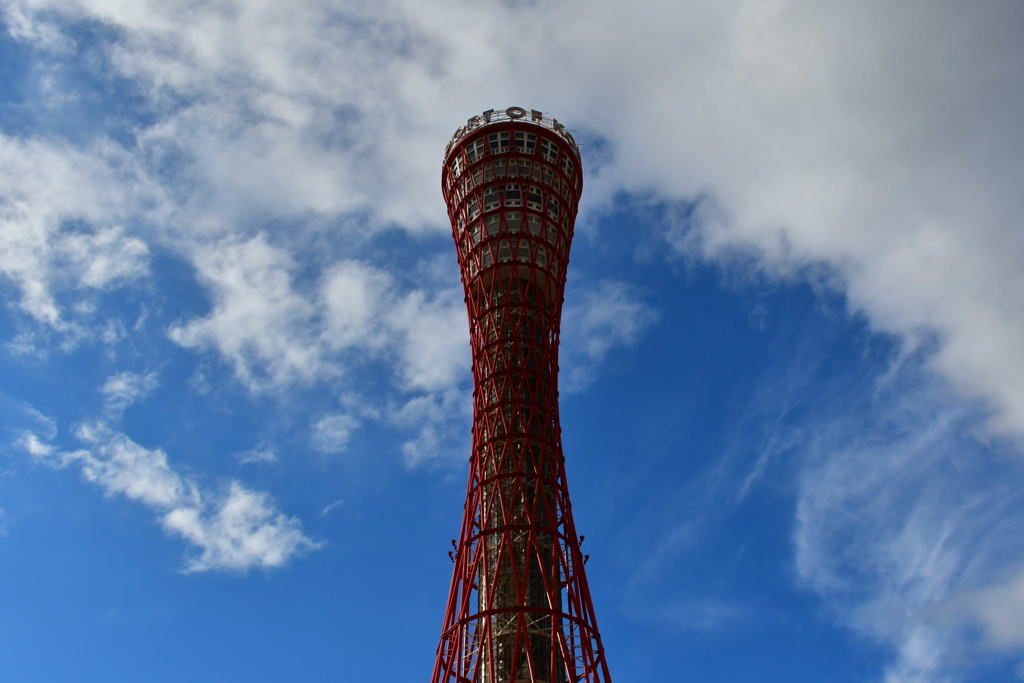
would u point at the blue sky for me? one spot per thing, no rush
(234, 366)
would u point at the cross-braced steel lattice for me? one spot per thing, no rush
(519, 609)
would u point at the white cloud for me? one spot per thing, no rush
(37, 432)
(126, 388)
(59, 220)
(275, 335)
(879, 142)
(331, 507)
(439, 422)
(268, 149)
(258, 321)
(257, 456)
(237, 531)
(876, 147)
(35, 446)
(598, 317)
(999, 608)
(360, 406)
(426, 331)
(232, 531)
(433, 339)
(355, 298)
(105, 256)
(331, 433)
(121, 466)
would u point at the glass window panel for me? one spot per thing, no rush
(549, 150)
(490, 199)
(525, 142)
(514, 220)
(553, 208)
(533, 223)
(498, 142)
(533, 197)
(568, 166)
(493, 223)
(513, 195)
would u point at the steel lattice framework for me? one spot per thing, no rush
(519, 608)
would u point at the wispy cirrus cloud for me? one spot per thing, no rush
(233, 530)
(906, 525)
(257, 456)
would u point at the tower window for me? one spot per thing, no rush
(568, 166)
(474, 151)
(493, 224)
(524, 251)
(513, 195)
(491, 198)
(514, 221)
(498, 142)
(526, 142)
(533, 197)
(504, 252)
(553, 208)
(533, 222)
(549, 150)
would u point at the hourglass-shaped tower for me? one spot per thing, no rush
(519, 608)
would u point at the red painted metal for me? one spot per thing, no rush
(519, 608)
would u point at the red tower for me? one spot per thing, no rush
(519, 608)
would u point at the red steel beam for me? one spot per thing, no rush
(519, 608)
